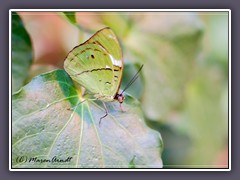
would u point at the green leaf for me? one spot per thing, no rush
(21, 53)
(44, 126)
(71, 17)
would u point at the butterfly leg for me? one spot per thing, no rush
(121, 107)
(106, 111)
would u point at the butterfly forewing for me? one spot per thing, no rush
(97, 64)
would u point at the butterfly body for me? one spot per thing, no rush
(97, 65)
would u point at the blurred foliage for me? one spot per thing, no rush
(21, 53)
(71, 17)
(184, 86)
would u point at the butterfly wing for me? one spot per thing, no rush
(97, 64)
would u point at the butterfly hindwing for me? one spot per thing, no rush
(97, 64)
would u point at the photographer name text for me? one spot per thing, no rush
(55, 159)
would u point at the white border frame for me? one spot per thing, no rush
(122, 10)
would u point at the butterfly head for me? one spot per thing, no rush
(119, 98)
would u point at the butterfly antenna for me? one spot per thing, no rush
(133, 79)
(130, 83)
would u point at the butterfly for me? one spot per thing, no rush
(97, 65)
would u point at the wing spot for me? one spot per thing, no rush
(107, 83)
(117, 68)
(115, 78)
(92, 56)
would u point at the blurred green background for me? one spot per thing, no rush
(184, 85)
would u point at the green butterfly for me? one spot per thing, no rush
(97, 65)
